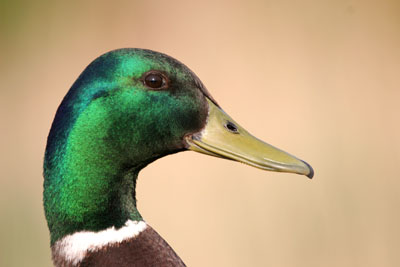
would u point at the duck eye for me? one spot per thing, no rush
(155, 80)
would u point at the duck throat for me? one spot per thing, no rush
(90, 181)
(91, 198)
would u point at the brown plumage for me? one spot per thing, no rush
(148, 249)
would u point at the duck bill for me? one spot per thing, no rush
(223, 137)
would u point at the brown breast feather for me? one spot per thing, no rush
(146, 249)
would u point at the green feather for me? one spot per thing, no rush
(107, 128)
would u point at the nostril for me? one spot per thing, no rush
(231, 127)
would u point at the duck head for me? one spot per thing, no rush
(128, 108)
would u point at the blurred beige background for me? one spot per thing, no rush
(319, 79)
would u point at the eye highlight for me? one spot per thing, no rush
(155, 80)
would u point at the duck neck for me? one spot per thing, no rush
(90, 182)
(90, 197)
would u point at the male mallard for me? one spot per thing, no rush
(128, 108)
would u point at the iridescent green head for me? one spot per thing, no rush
(128, 108)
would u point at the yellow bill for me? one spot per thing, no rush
(223, 137)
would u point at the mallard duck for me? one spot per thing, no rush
(128, 108)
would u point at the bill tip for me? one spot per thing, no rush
(311, 173)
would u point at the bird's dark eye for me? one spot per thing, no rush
(155, 80)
